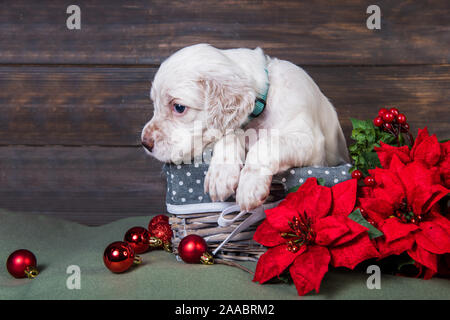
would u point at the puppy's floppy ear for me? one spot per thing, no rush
(228, 102)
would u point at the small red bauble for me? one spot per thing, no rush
(119, 256)
(138, 238)
(191, 248)
(161, 218)
(394, 111)
(162, 231)
(357, 174)
(388, 117)
(401, 118)
(369, 181)
(22, 263)
(378, 122)
(382, 111)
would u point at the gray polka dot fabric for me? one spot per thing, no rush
(185, 184)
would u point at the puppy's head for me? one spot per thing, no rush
(198, 94)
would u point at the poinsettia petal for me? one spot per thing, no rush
(308, 269)
(344, 197)
(296, 200)
(355, 230)
(444, 164)
(328, 230)
(280, 216)
(394, 229)
(422, 191)
(434, 237)
(352, 253)
(422, 134)
(389, 187)
(426, 149)
(268, 236)
(436, 217)
(274, 261)
(365, 192)
(385, 153)
(316, 199)
(395, 247)
(375, 209)
(424, 257)
(444, 170)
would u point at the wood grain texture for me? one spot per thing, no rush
(72, 103)
(91, 185)
(109, 105)
(146, 32)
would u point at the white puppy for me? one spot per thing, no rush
(202, 94)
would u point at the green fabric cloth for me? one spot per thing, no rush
(58, 244)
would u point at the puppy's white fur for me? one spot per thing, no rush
(219, 88)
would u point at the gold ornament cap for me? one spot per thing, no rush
(207, 258)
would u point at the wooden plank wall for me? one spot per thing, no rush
(72, 102)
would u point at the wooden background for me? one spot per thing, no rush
(73, 102)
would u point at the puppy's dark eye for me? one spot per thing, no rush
(178, 108)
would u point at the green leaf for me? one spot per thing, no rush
(293, 189)
(405, 262)
(358, 218)
(361, 124)
(321, 181)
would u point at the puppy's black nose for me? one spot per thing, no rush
(148, 144)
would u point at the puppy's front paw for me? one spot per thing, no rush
(222, 180)
(253, 189)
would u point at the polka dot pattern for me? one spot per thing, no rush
(185, 182)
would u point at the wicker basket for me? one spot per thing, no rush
(240, 248)
(194, 213)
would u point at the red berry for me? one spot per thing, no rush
(387, 126)
(378, 122)
(357, 174)
(401, 118)
(388, 117)
(394, 111)
(382, 111)
(405, 127)
(369, 181)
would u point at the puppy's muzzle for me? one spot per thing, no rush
(148, 144)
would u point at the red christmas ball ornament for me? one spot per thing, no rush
(161, 218)
(388, 117)
(401, 118)
(22, 263)
(356, 174)
(161, 236)
(382, 111)
(378, 122)
(369, 181)
(192, 248)
(162, 231)
(119, 256)
(138, 238)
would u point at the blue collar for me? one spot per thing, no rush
(260, 102)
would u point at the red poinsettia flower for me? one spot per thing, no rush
(403, 205)
(426, 150)
(309, 230)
